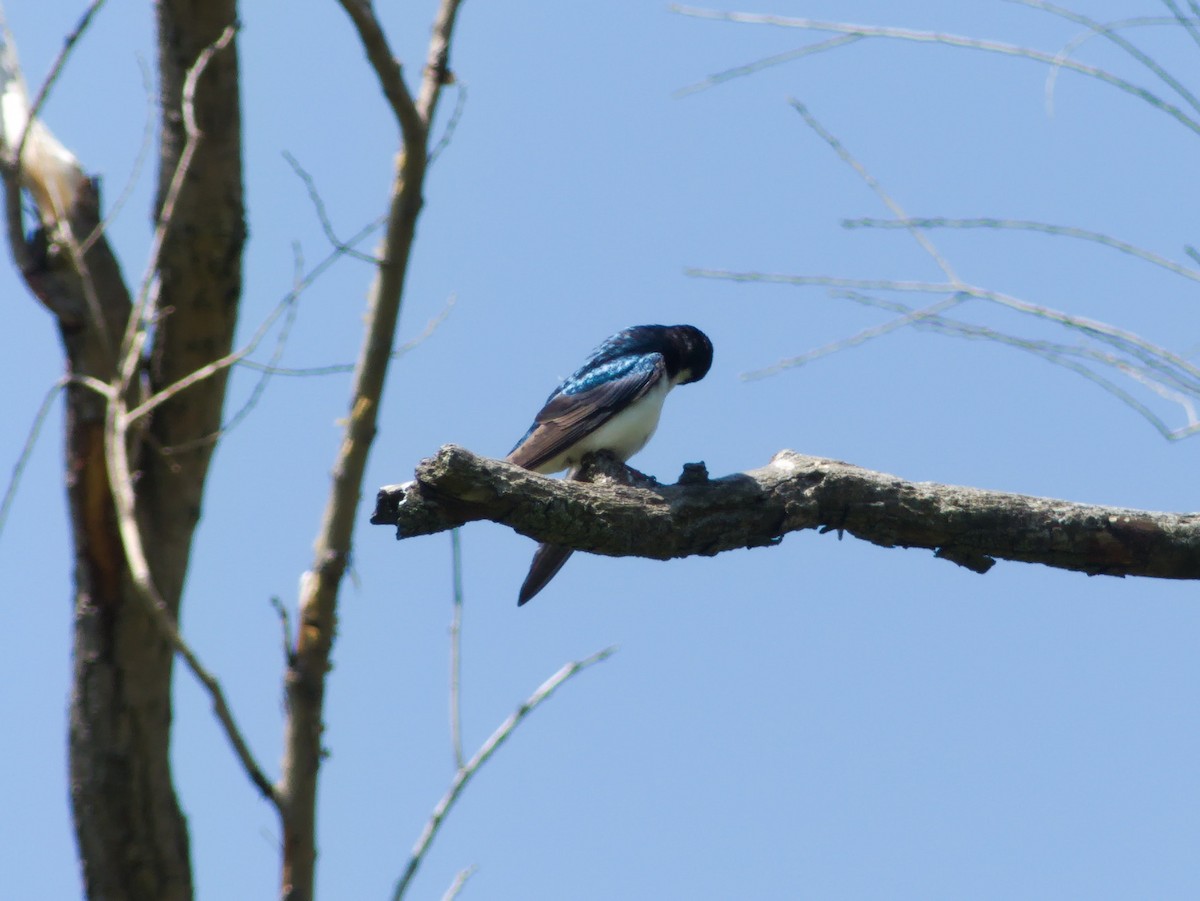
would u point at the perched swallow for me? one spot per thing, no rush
(612, 402)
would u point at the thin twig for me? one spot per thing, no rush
(1119, 40)
(459, 881)
(1176, 397)
(285, 305)
(35, 429)
(1090, 327)
(890, 202)
(916, 232)
(270, 369)
(337, 368)
(1068, 49)
(952, 40)
(1195, 7)
(56, 69)
(766, 62)
(908, 317)
(285, 626)
(139, 162)
(1066, 231)
(943, 324)
(1173, 367)
(486, 750)
(322, 214)
(456, 649)
(1189, 24)
(460, 105)
(1069, 356)
(121, 482)
(1169, 375)
(285, 330)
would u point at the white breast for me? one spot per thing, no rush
(625, 434)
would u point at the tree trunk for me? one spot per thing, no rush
(132, 834)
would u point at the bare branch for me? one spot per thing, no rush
(625, 516)
(485, 752)
(766, 62)
(119, 474)
(1167, 374)
(285, 627)
(460, 105)
(1075, 43)
(1189, 24)
(952, 40)
(335, 368)
(139, 162)
(35, 429)
(320, 585)
(322, 215)
(459, 881)
(850, 160)
(291, 308)
(1171, 368)
(285, 307)
(1119, 40)
(1069, 356)
(437, 62)
(908, 317)
(1066, 231)
(387, 70)
(1092, 328)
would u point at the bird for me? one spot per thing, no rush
(610, 403)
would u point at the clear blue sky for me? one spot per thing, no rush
(823, 719)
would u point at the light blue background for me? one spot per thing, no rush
(823, 719)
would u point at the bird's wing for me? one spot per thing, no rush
(586, 403)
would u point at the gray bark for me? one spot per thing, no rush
(626, 514)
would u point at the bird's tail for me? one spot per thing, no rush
(547, 561)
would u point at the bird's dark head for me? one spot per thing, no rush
(686, 350)
(690, 353)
